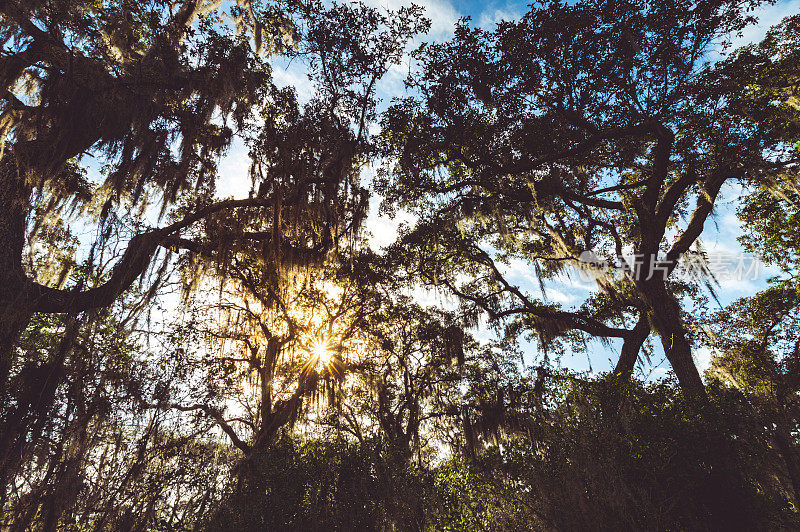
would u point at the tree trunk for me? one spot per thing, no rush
(631, 347)
(15, 309)
(15, 312)
(666, 320)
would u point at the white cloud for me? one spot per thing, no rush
(234, 168)
(293, 74)
(702, 357)
(429, 297)
(442, 14)
(383, 229)
(557, 296)
(522, 273)
(490, 17)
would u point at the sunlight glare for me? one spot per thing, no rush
(321, 353)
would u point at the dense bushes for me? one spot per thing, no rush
(645, 459)
(324, 485)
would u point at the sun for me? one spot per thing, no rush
(321, 353)
(322, 358)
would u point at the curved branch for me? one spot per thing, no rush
(631, 347)
(572, 319)
(131, 266)
(705, 204)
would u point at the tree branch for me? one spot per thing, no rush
(705, 204)
(218, 419)
(134, 262)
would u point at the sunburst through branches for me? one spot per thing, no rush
(322, 357)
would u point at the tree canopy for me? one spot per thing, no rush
(600, 128)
